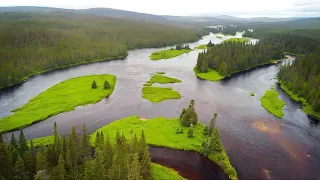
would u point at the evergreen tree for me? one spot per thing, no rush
(30, 162)
(212, 124)
(146, 164)
(108, 154)
(190, 132)
(13, 142)
(23, 146)
(19, 170)
(106, 85)
(59, 172)
(1, 138)
(72, 155)
(98, 167)
(85, 146)
(94, 85)
(42, 162)
(6, 166)
(135, 168)
(88, 170)
(57, 145)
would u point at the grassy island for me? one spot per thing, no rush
(203, 46)
(161, 131)
(167, 54)
(237, 40)
(62, 97)
(272, 104)
(161, 79)
(219, 37)
(306, 106)
(158, 94)
(161, 172)
(211, 75)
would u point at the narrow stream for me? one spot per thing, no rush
(259, 145)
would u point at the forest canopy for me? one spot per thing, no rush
(31, 43)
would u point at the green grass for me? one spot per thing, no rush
(272, 104)
(252, 94)
(219, 37)
(167, 54)
(158, 94)
(62, 97)
(203, 46)
(160, 72)
(158, 78)
(237, 40)
(211, 75)
(163, 173)
(43, 141)
(306, 106)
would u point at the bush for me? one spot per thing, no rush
(106, 85)
(190, 132)
(179, 131)
(94, 85)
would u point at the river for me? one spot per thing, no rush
(259, 145)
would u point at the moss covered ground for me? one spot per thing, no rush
(62, 97)
(158, 94)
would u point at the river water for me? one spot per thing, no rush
(259, 145)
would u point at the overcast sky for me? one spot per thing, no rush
(241, 8)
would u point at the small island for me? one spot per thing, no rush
(62, 97)
(272, 104)
(170, 53)
(158, 94)
(237, 40)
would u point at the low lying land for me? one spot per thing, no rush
(211, 75)
(161, 172)
(219, 37)
(306, 106)
(167, 54)
(203, 46)
(161, 79)
(62, 97)
(158, 94)
(237, 40)
(272, 104)
(161, 131)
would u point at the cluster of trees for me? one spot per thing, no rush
(291, 43)
(106, 85)
(248, 33)
(231, 57)
(229, 29)
(34, 42)
(302, 77)
(74, 158)
(212, 142)
(182, 46)
(188, 116)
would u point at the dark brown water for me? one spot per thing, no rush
(189, 164)
(259, 145)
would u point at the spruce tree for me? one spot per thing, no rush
(14, 142)
(6, 166)
(135, 168)
(1, 138)
(30, 163)
(57, 145)
(98, 167)
(59, 172)
(94, 85)
(108, 154)
(42, 162)
(146, 164)
(72, 155)
(19, 170)
(106, 85)
(85, 146)
(190, 132)
(88, 170)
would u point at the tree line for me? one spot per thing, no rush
(73, 158)
(34, 42)
(227, 58)
(302, 77)
(229, 29)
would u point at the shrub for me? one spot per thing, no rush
(190, 132)
(94, 85)
(106, 85)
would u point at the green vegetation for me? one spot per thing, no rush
(162, 79)
(162, 132)
(219, 37)
(158, 94)
(252, 94)
(160, 72)
(272, 104)
(237, 40)
(33, 43)
(211, 75)
(71, 158)
(230, 58)
(226, 30)
(62, 97)
(161, 173)
(203, 46)
(167, 54)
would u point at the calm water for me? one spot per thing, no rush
(259, 145)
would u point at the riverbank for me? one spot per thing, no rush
(161, 132)
(211, 75)
(203, 46)
(237, 40)
(305, 105)
(161, 172)
(59, 98)
(168, 54)
(271, 102)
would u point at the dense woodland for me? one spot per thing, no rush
(74, 158)
(303, 78)
(291, 43)
(35, 42)
(228, 58)
(232, 30)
